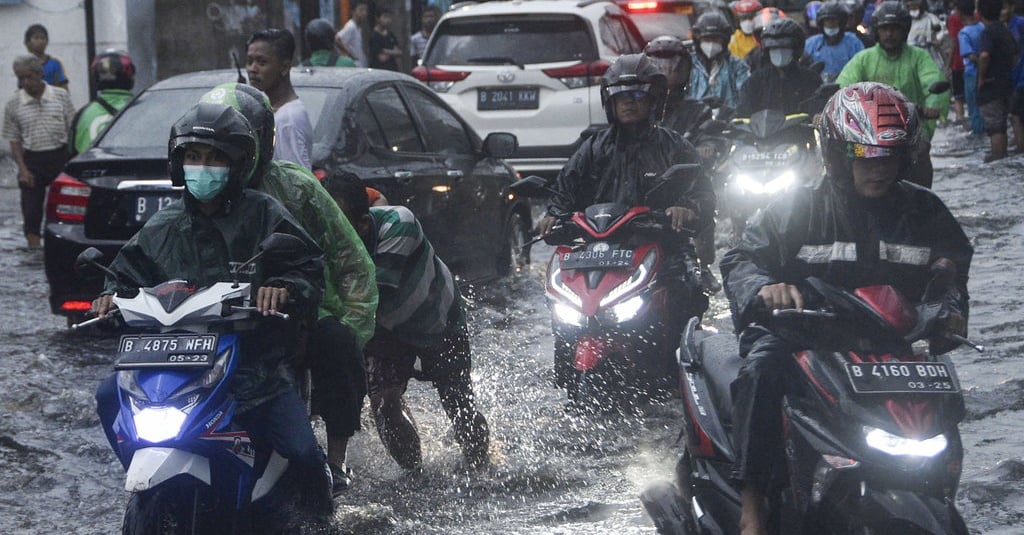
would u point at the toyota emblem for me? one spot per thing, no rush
(506, 77)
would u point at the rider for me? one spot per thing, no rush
(320, 41)
(716, 72)
(113, 75)
(926, 32)
(907, 68)
(422, 317)
(217, 223)
(621, 163)
(757, 59)
(743, 40)
(811, 16)
(834, 46)
(787, 84)
(346, 314)
(863, 226)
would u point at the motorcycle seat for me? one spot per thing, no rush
(720, 355)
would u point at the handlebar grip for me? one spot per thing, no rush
(782, 313)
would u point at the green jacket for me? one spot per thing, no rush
(322, 58)
(912, 72)
(93, 119)
(351, 287)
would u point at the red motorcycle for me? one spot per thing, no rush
(615, 325)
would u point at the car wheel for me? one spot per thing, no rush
(515, 254)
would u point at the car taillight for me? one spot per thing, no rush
(438, 80)
(67, 200)
(580, 75)
(635, 7)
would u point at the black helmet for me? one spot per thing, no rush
(783, 33)
(632, 72)
(891, 12)
(112, 69)
(712, 24)
(834, 9)
(319, 35)
(256, 108)
(669, 54)
(219, 126)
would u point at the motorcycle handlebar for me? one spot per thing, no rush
(807, 313)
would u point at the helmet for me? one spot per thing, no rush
(891, 12)
(319, 35)
(669, 54)
(255, 107)
(867, 120)
(855, 8)
(219, 126)
(112, 69)
(811, 12)
(746, 7)
(632, 72)
(783, 33)
(712, 24)
(765, 17)
(834, 10)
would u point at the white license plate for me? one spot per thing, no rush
(901, 378)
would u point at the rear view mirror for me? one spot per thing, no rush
(500, 145)
(939, 87)
(531, 186)
(672, 176)
(87, 264)
(282, 245)
(826, 90)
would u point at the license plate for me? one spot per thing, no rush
(765, 159)
(606, 259)
(508, 98)
(166, 351)
(901, 378)
(142, 206)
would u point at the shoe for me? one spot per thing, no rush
(341, 477)
(989, 157)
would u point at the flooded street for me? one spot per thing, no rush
(552, 472)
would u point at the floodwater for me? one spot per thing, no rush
(552, 472)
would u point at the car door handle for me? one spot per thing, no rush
(403, 174)
(455, 174)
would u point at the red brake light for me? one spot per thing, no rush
(67, 199)
(634, 7)
(579, 75)
(438, 80)
(76, 306)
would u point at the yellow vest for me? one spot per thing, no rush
(741, 44)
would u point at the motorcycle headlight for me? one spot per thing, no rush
(639, 278)
(782, 182)
(555, 281)
(568, 314)
(628, 309)
(746, 183)
(157, 424)
(896, 445)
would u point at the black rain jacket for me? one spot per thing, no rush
(772, 88)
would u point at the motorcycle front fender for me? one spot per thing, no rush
(152, 466)
(930, 514)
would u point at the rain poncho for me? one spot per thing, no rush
(727, 76)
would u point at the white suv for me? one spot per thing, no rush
(530, 67)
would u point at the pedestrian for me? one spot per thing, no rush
(269, 63)
(384, 49)
(421, 317)
(969, 40)
(322, 49)
(36, 41)
(418, 40)
(113, 76)
(350, 38)
(997, 54)
(37, 120)
(954, 24)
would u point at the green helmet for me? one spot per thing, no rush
(255, 106)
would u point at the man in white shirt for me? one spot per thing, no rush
(269, 63)
(350, 38)
(418, 40)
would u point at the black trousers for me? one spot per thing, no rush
(44, 166)
(339, 376)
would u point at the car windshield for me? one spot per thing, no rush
(653, 25)
(515, 40)
(146, 124)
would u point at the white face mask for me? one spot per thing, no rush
(914, 13)
(831, 32)
(781, 57)
(711, 49)
(747, 26)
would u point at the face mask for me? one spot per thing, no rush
(831, 32)
(747, 26)
(204, 182)
(914, 13)
(711, 50)
(781, 57)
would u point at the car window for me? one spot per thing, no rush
(616, 36)
(148, 121)
(512, 39)
(393, 121)
(445, 134)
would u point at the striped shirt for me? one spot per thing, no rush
(416, 288)
(39, 123)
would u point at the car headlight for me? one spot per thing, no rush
(896, 445)
(568, 314)
(781, 182)
(628, 309)
(157, 424)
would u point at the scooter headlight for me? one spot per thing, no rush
(782, 182)
(748, 184)
(628, 309)
(640, 277)
(157, 424)
(896, 445)
(568, 314)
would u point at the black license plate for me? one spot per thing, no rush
(901, 378)
(508, 98)
(141, 206)
(166, 351)
(607, 259)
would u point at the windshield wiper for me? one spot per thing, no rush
(496, 60)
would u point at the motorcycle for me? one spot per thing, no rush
(871, 435)
(191, 467)
(615, 329)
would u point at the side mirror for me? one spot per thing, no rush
(713, 127)
(826, 90)
(939, 87)
(531, 186)
(670, 177)
(818, 66)
(500, 145)
(282, 245)
(87, 263)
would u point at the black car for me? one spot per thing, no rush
(387, 128)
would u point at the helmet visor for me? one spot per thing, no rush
(666, 64)
(859, 150)
(634, 90)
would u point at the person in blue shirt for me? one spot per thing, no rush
(834, 46)
(36, 41)
(970, 40)
(1015, 23)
